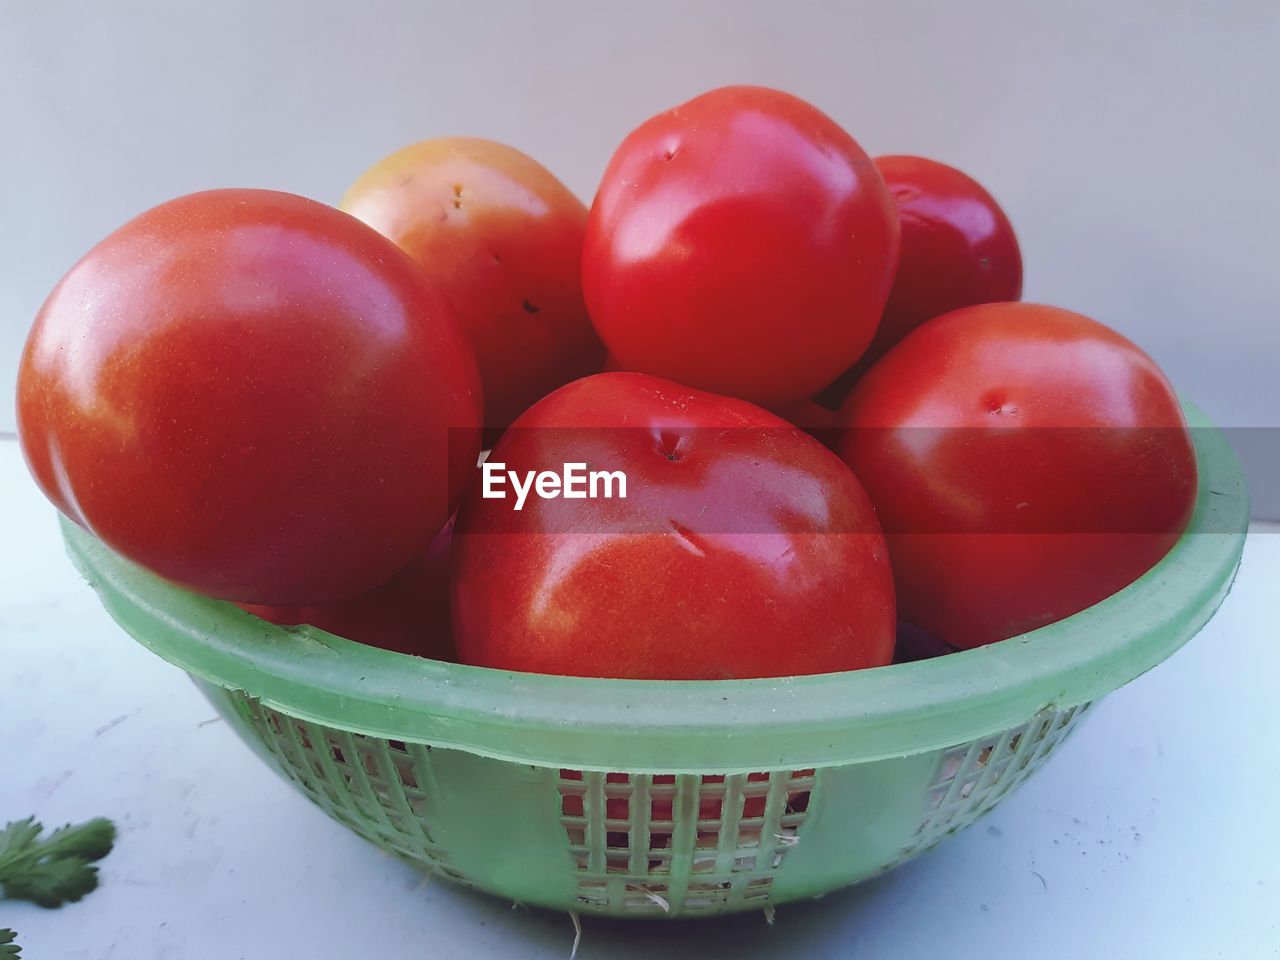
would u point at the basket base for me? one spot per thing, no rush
(635, 844)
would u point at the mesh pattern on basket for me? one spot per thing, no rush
(973, 777)
(704, 842)
(383, 790)
(634, 843)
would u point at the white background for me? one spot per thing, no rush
(1133, 143)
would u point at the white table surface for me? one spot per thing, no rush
(1153, 832)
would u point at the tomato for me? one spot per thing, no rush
(741, 243)
(958, 249)
(503, 239)
(408, 614)
(253, 395)
(1025, 462)
(743, 547)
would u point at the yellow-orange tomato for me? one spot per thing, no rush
(503, 239)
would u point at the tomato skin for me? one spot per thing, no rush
(503, 239)
(1025, 462)
(743, 548)
(740, 243)
(958, 249)
(408, 614)
(254, 396)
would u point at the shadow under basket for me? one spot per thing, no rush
(672, 798)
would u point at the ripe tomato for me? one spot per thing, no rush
(408, 614)
(503, 239)
(958, 249)
(1025, 462)
(613, 365)
(253, 395)
(741, 243)
(743, 548)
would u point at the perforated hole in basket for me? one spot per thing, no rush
(659, 842)
(973, 777)
(376, 787)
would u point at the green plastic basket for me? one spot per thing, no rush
(691, 798)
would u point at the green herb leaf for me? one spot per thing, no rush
(54, 870)
(50, 883)
(91, 840)
(8, 949)
(17, 837)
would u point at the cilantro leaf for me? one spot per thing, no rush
(17, 836)
(54, 870)
(91, 840)
(50, 883)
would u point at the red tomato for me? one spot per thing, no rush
(743, 548)
(503, 238)
(741, 243)
(1025, 461)
(958, 249)
(252, 395)
(408, 614)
